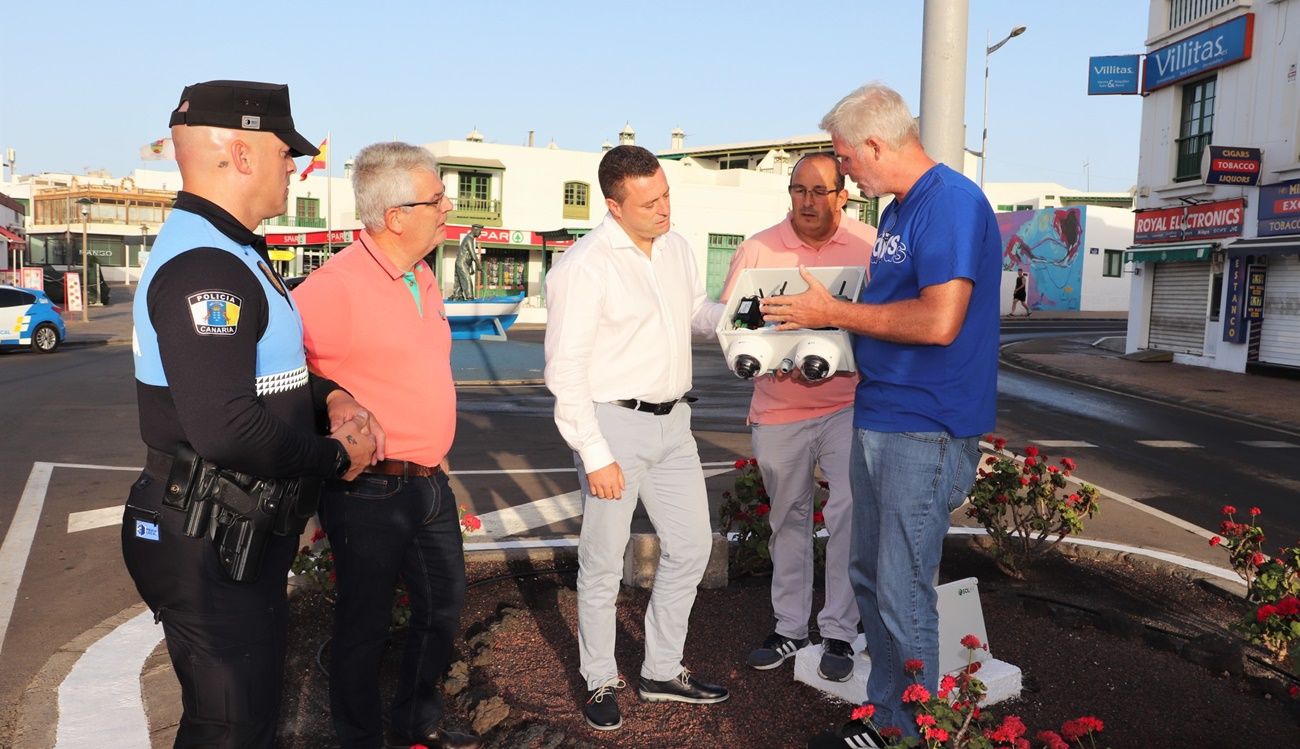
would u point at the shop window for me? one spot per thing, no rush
(1114, 266)
(734, 163)
(576, 201)
(1195, 128)
(505, 272)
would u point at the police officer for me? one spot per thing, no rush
(223, 390)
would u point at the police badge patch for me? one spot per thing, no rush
(214, 312)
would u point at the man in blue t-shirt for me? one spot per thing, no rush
(925, 341)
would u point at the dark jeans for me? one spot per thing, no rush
(380, 528)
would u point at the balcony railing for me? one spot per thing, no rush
(476, 211)
(1189, 156)
(312, 223)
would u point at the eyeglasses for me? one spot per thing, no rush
(435, 202)
(799, 191)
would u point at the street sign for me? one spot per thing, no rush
(1114, 74)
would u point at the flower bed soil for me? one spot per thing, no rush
(1145, 650)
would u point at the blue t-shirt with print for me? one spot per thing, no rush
(943, 229)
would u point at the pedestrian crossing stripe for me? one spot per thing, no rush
(1169, 444)
(1061, 443)
(1269, 444)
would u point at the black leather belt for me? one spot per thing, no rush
(658, 409)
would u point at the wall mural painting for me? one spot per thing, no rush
(1046, 244)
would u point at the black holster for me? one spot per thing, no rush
(236, 511)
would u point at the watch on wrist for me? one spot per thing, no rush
(342, 461)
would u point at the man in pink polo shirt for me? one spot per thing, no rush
(374, 321)
(797, 424)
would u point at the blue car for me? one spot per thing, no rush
(29, 318)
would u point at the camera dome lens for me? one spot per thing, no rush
(815, 368)
(746, 367)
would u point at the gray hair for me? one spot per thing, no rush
(381, 179)
(872, 110)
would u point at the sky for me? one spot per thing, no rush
(88, 84)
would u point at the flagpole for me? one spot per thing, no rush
(329, 195)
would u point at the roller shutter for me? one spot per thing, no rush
(1279, 338)
(1180, 297)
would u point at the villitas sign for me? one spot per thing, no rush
(1224, 218)
(1216, 47)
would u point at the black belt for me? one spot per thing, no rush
(658, 409)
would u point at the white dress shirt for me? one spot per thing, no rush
(618, 326)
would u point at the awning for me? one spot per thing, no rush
(470, 161)
(11, 237)
(1265, 246)
(1170, 253)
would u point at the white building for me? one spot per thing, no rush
(1215, 272)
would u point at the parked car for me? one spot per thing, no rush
(29, 318)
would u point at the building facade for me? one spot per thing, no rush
(1215, 259)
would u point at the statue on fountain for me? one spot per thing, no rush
(467, 263)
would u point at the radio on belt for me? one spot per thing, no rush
(753, 347)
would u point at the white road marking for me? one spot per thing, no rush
(1061, 443)
(99, 701)
(1168, 444)
(18, 541)
(92, 519)
(512, 521)
(1269, 444)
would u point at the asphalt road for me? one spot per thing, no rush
(71, 416)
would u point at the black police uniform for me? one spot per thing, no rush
(218, 367)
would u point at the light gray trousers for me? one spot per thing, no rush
(786, 455)
(661, 466)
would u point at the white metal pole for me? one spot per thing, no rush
(984, 134)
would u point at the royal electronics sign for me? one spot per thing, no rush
(1213, 48)
(1279, 209)
(1224, 218)
(1228, 165)
(1116, 74)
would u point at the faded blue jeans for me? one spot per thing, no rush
(905, 485)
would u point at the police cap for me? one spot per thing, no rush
(243, 105)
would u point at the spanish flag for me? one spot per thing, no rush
(318, 161)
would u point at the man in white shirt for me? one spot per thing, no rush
(622, 305)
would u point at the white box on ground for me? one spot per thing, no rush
(755, 351)
(960, 614)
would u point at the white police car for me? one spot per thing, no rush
(29, 318)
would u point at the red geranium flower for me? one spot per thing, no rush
(913, 665)
(946, 685)
(819, 517)
(1024, 481)
(318, 535)
(937, 734)
(1031, 451)
(1068, 463)
(1293, 690)
(1229, 510)
(1030, 462)
(1052, 740)
(924, 720)
(471, 523)
(863, 712)
(1053, 469)
(753, 461)
(990, 460)
(1254, 511)
(916, 693)
(1264, 612)
(740, 464)
(1258, 559)
(1288, 606)
(891, 732)
(999, 443)
(971, 641)
(1011, 729)
(762, 510)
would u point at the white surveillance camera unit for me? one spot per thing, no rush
(753, 347)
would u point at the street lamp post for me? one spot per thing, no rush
(984, 137)
(144, 238)
(85, 284)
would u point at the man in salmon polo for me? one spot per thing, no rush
(797, 424)
(374, 320)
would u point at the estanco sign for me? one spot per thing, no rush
(1211, 49)
(1224, 218)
